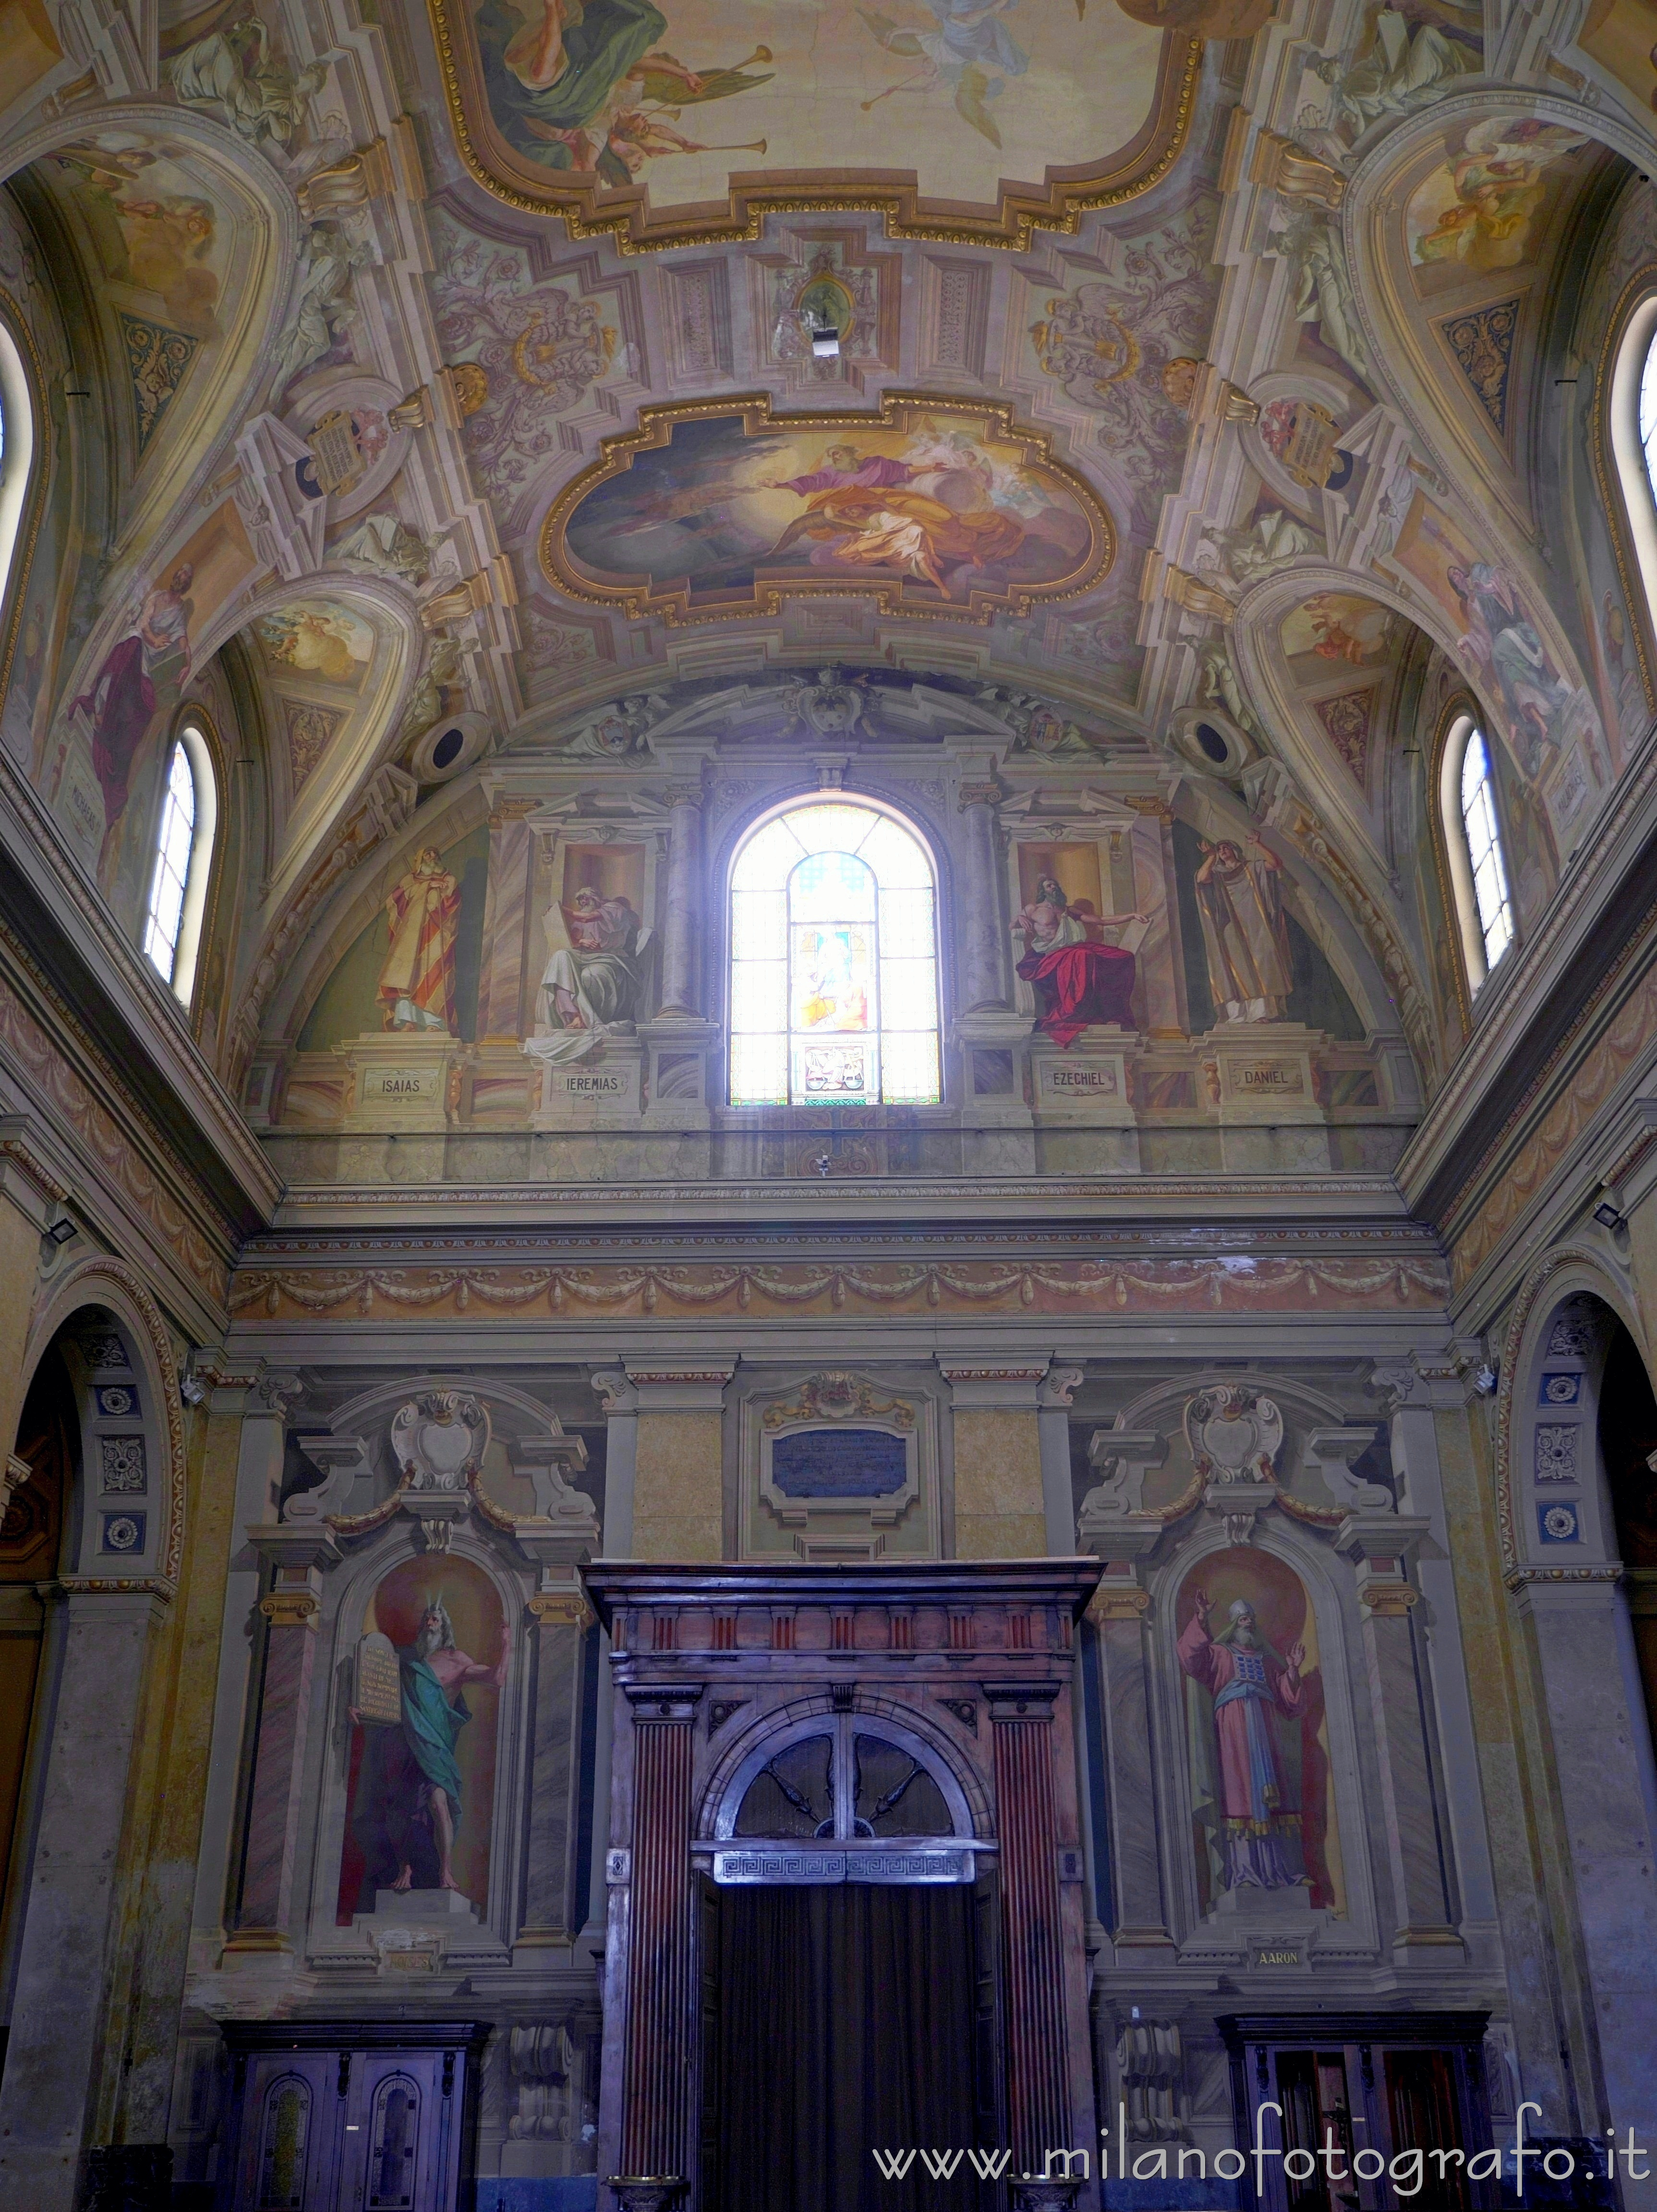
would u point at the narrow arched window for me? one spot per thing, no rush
(1631, 421)
(183, 849)
(16, 449)
(1479, 867)
(833, 960)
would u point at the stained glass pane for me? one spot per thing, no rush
(764, 861)
(831, 887)
(835, 1074)
(1484, 836)
(1648, 411)
(831, 828)
(759, 995)
(173, 854)
(759, 1071)
(757, 922)
(905, 923)
(897, 857)
(909, 995)
(832, 915)
(911, 1069)
(833, 974)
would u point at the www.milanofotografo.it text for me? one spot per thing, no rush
(1408, 2171)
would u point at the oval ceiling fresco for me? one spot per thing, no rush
(683, 123)
(711, 512)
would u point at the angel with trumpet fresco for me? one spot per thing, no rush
(589, 88)
(971, 53)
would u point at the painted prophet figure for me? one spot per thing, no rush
(1251, 1686)
(411, 1791)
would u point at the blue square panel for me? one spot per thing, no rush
(1556, 1522)
(1558, 1388)
(122, 1535)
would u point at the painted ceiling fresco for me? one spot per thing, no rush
(934, 504)
(430, 405)
(664, 120)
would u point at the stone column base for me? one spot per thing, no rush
(130, 2178)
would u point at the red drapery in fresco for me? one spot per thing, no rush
(1079, 985)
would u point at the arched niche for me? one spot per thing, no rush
(1289, 1583)
(367, 1808)
(105, 1438)
(1563, 1508)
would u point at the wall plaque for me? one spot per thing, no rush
(839, 1463)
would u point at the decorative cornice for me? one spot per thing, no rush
(707, 1289)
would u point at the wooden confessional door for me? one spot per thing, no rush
(838, 2020)
(1349, 2097)
(344, 2130)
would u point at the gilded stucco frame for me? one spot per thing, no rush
(656, 426)
(589, 210)
(1613, 498)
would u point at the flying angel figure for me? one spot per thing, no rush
(971, 51)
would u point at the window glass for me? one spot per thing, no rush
(175, 844)
(1484, 855)
(834, 961)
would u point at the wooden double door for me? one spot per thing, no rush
(353, 2116)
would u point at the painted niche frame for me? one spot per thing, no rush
(1021, 210)
(898, 411)
(902, 1521)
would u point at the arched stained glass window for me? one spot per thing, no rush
(1472, 846)
(1484, 855)
(183, 849)
(833, 960)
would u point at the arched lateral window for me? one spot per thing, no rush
(184, 853)
(833, 960)
(1632, 422)
(16, 450)
(1472, 835)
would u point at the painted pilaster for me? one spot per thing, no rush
(30, 1195)
(258, 1403)
(1381, 1547)
(58, 2014)
(678, 1483)
(560, 1620)
(1579, 1630)
(681, 969)
(1002, 1483)
(277, 1797)
(983, 978)
(501, 1013)
(1418, 1399)
(1120, 1613)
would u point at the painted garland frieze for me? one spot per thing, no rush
(675, 124)
(713, 511)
